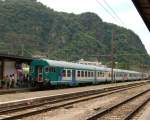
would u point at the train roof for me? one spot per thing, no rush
(71, 65)
(126, 71)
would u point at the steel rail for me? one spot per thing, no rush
(58, 105)
(137, 109)
(101, 113)
(56, 99)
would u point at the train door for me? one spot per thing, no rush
(40, 74)
(73, 75)
(95, 77)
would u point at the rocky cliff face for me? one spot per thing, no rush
(40, 30)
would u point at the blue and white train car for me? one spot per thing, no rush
(54, 72)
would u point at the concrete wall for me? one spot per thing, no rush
(9, 68)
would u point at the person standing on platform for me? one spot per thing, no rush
(10, 81)
(13, 80)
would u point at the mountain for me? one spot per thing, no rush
(29, 28)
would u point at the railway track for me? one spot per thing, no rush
(35, 106)
(123, 110)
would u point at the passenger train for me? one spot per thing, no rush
(52, 72)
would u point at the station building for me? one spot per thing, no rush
(95, 63)
(12, 64)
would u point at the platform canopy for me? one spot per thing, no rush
(143, 7)
(16, 58)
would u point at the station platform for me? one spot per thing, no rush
(14, 90)
(5, 98)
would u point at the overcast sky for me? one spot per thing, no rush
(123, 8)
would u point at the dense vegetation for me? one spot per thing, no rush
(29, 28)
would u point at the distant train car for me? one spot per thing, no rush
(52, 72)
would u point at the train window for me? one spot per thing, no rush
(46, 69)
(105, 74)
(120, 75)
(68, 73)
(101, 74)
(64, 73)
(89, 74)
(40, 69)
(123, 75)
(92, 74)
(52, 69)
(85, 73)
(78, 74)
(82, 73)
(97, 74)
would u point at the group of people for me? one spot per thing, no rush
(15, 81)
(9, 81)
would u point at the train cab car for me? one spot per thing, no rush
(42, 72)
(60, 72)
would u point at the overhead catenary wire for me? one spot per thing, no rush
(106, 10)
(114, 12)
(115, 18)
